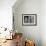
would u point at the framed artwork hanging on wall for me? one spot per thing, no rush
(29, 19)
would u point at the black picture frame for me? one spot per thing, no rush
(29, 19)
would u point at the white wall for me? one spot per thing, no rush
(28, 7)
(6, 13)
(43, 22)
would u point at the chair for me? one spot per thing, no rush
(18, 39)
(29, 43)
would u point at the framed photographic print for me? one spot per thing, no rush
(29, 19)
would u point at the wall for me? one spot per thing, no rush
(6, 13)
(28, 7)
(43, 22)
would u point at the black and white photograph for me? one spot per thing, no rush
(29, 19)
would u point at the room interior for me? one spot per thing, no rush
(14, 31)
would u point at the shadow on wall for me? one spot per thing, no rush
(17, 4)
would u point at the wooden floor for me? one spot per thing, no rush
(9, 43)
(12, 42)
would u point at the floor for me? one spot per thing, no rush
(9, 43)
(12, 42)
